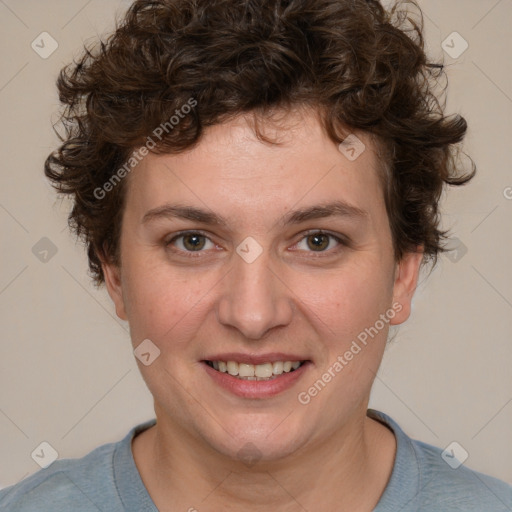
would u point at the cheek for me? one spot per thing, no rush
(349, 306)
(347, 300)
(163, 303)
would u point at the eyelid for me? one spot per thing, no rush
(339, 236)
(178, 234)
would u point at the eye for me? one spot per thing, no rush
(319, 241)
(190, 241)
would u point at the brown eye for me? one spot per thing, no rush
(190, 242)
(193, 242)
(318, 241)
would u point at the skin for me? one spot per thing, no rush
(293, 298)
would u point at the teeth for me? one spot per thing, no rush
(277, 367)
(265, 371)
(245, 370)
(232, 368)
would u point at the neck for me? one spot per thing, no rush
(345, 471)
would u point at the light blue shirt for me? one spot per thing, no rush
(107, 480)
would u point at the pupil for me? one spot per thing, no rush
(318, 241)
(193, 242)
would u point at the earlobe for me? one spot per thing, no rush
(113, 282)
(406, 279)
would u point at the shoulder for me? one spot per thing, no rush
(430, 479)
(445, 481)
(65, 482)
(85, 484)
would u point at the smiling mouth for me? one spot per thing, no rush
(265, 371)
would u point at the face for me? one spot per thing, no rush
(239, 251)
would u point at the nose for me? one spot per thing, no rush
(254, 299)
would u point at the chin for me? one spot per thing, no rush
(257, 439)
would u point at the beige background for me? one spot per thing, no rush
(67, 374)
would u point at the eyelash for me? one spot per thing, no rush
(194, 254)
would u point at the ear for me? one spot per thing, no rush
(113, 282)
(406, 279)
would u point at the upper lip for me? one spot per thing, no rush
(255, 358)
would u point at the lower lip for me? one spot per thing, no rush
(257, 388)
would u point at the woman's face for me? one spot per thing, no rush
(239, 251)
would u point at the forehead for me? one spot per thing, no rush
(233, 170)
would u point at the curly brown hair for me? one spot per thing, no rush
(361, 67)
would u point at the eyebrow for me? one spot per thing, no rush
(321, 211)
